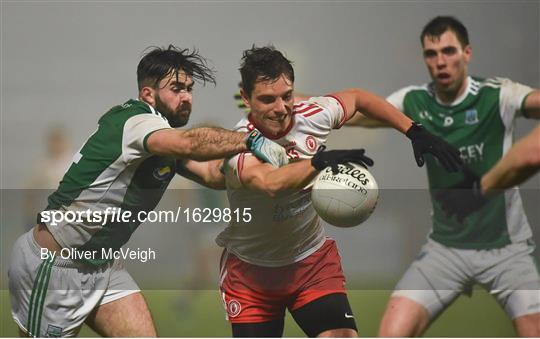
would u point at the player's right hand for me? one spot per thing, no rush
(424, 142)
(265, 149)
(323, 159)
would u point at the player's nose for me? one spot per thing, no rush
(186, 97)
(441, 60)
(280, 106)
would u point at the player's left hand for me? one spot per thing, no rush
(463, 198)
(333, 158)
(424, 142)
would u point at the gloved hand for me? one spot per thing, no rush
(323, 159)
(265, 149)
(238, 99)
(424, 142)
(463, 198)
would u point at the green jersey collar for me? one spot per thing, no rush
(472, 88)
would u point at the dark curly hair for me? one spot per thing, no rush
(159, 63)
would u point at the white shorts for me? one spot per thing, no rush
(53, 297)
(440, 274)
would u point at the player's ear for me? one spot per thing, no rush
(467, 52)
(147, 94)
(245, 98)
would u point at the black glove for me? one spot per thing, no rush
(424, 142)
(463, 198)
(323, 159)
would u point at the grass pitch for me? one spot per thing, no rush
(200, 314)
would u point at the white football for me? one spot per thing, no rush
(347, 198)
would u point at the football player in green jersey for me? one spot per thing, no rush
(493, 245)
(62, 273)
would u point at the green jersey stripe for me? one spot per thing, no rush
(31, 307)
(37, 291)
(45, 288)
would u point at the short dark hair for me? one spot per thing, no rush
(438, 25)
(263, 63)
(159, 62)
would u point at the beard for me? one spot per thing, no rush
(176, 118)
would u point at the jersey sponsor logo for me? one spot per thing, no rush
(163, 173)
(311, 143)
(53, 331)
(471, 117)
(472, 153)
(233, 308)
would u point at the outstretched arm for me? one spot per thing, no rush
(208, 143)
(423, 142)
(374, 107)
(205, 143)
(520, 163)
(361, 120)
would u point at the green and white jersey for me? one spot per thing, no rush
(480, 124)
(113, 172)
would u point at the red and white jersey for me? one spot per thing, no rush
(285, 229)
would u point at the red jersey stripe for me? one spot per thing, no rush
(306, 109)
(308, 114)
